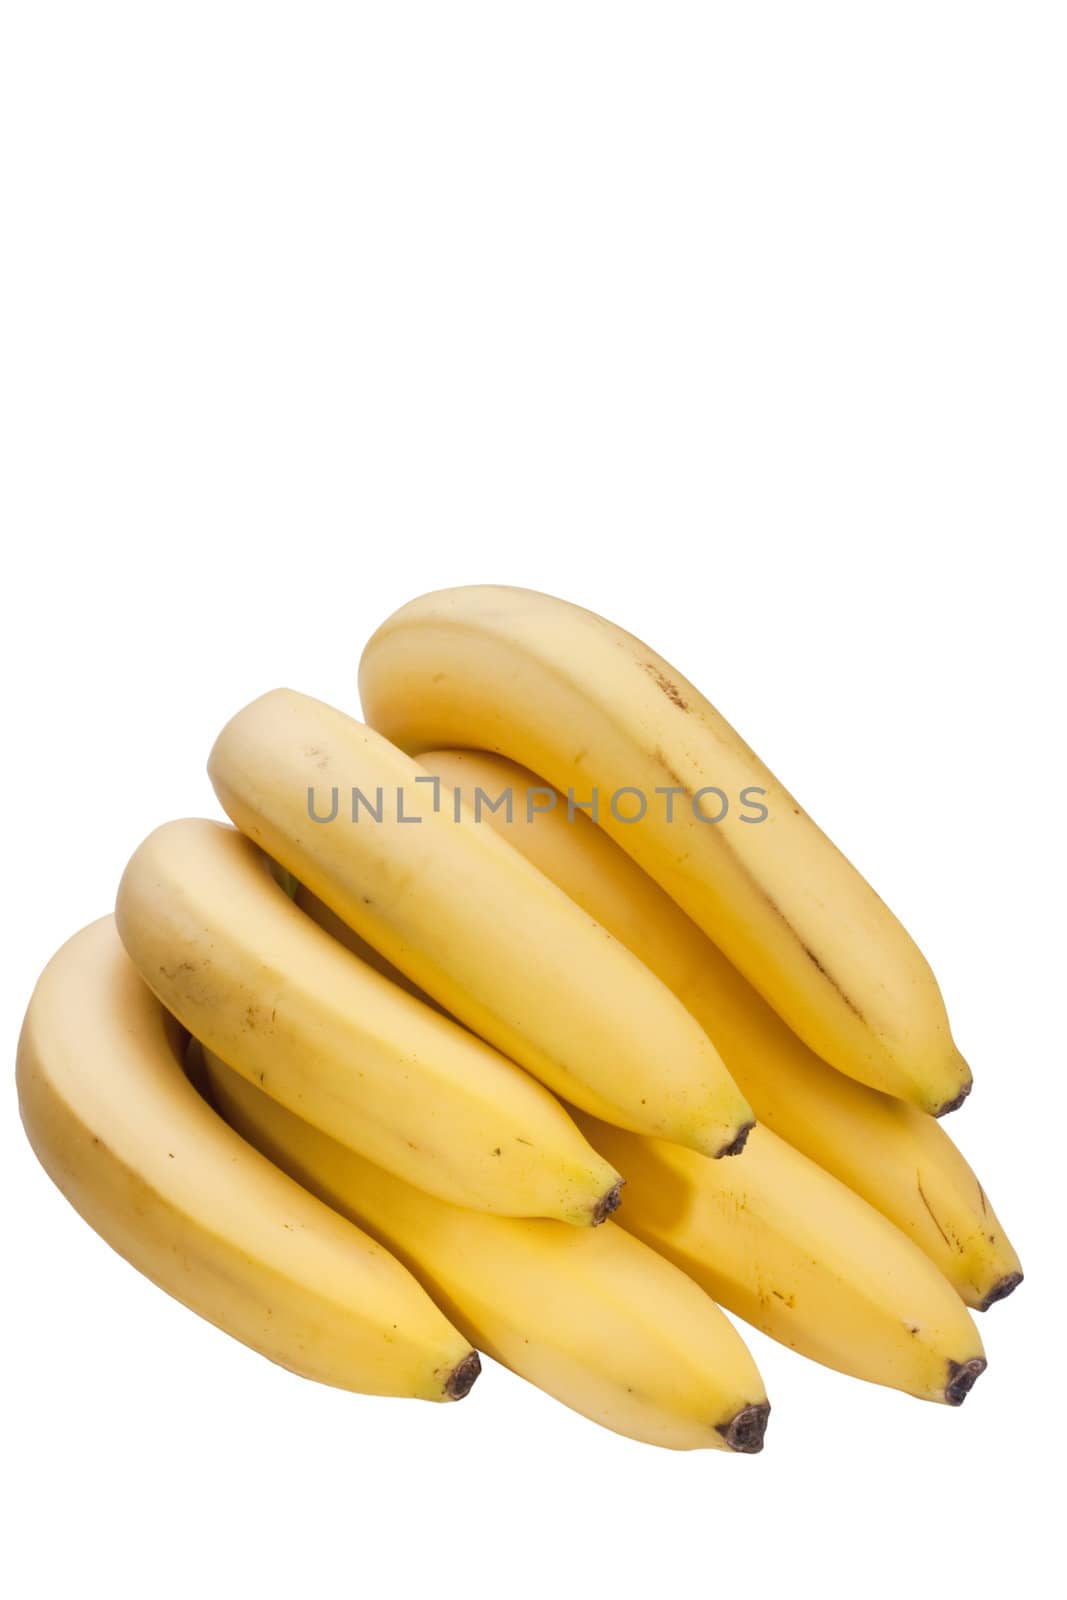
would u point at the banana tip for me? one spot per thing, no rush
(744, 1432)
(737, 1143)
(1001, 1289)
(608, 1203)
(954, 1105)
(962, 1377)
(461, 1379)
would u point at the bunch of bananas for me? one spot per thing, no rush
(361, 1078)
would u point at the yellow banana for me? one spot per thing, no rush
(784, 1245)
(897, 1157)
(470, 922)
(126, 1138)
(587, 705)
(244, 969)
(319, 912)
(595, 1319)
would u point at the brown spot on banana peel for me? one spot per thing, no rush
(661, 680)
(1001, 1289)
(813, 958)
(669, 770)
(930, 1209)
(461, 1379)
(744, 1432)
(962, 1377)
(608, 1203)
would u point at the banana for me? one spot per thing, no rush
(596, 1319)
(244, 969)
(585, 704)
(126, 1138)
(784, 1245)
(469, 921)
(898, 1158)
(319, 912)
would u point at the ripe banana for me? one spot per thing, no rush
(245, 970)
(319, 912)
(461, 913)
(784, 1245)
(126, 1138)
(596, 1319)
(585, 704)
(897, 1157)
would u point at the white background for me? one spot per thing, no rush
(743, 325)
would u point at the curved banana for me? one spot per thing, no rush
(470, 922)
(784, 1245)
(587, 705)
(893, 1155)
(595, 1319)
(245, 970)
(126, 1138)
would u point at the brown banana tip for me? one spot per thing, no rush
(744, 1433)
(608, 1203)
(954, 1105)
(737, 1144)
(462, 1378)
(1001, 1289)
(962, 1378)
